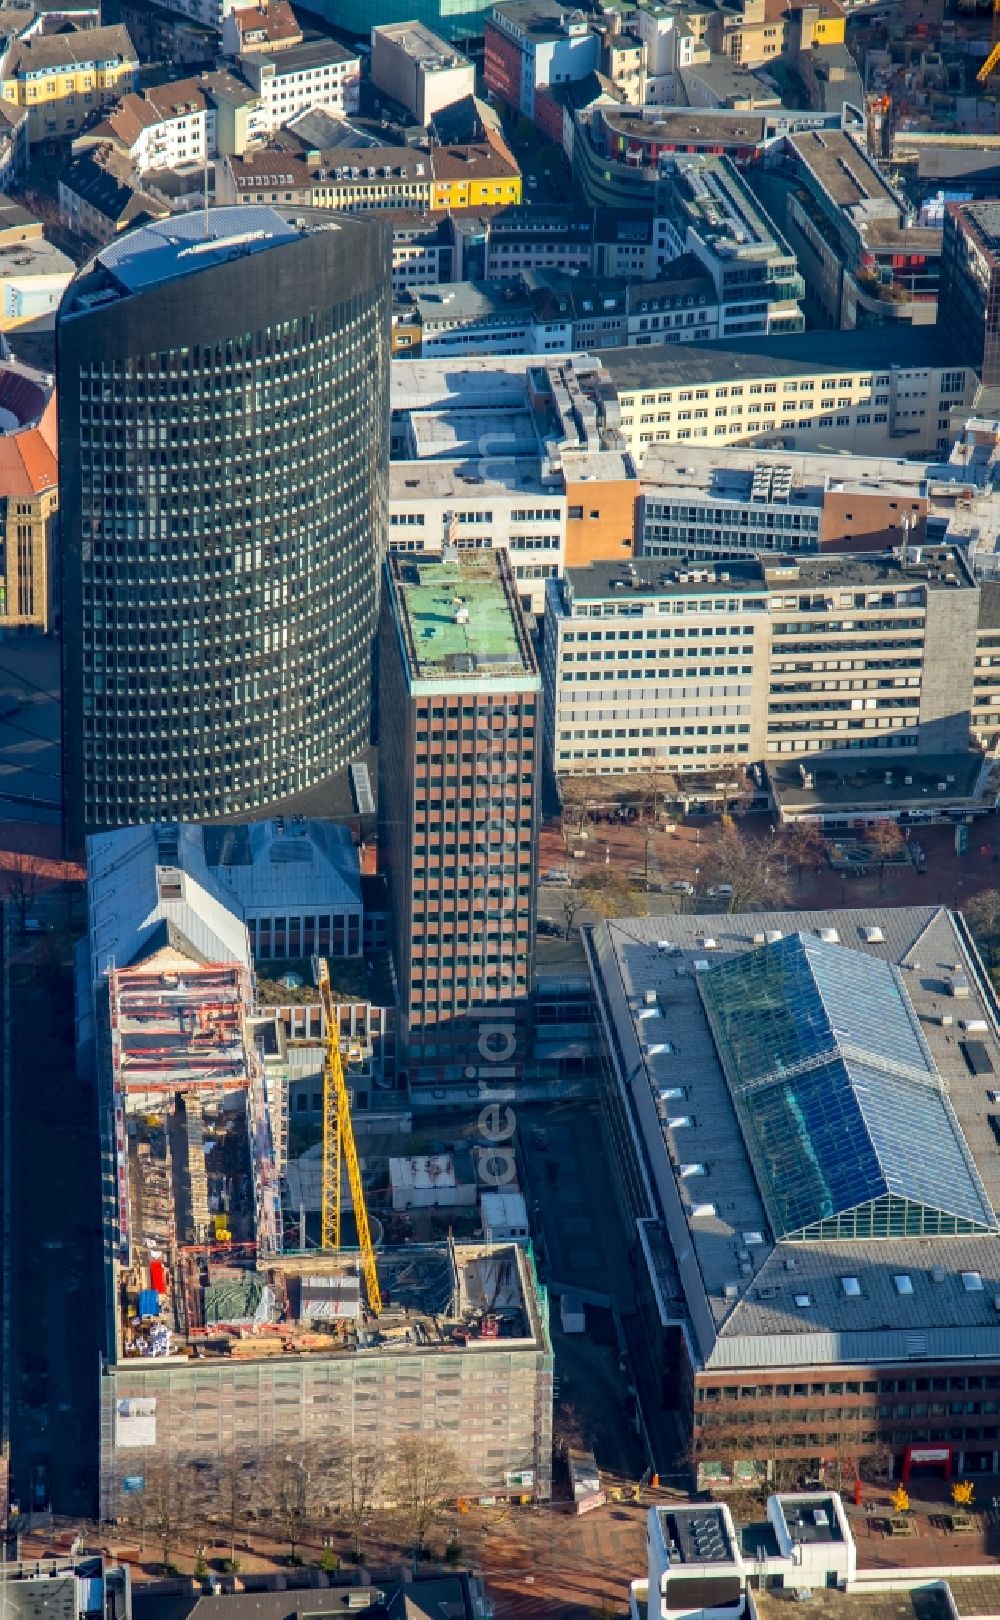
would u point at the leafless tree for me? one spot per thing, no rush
(174, 1500)
(737, 789)
(19, 883)
(577, 793)
(133, 1503)
(611, 895)
(290, 1481)
(233, 1492)
(572, 902)
(648, 834)
(653, 784)
(428, 1474)
(886, 840)
(875, 1461)
(357, 1476)
(749, 866)
(803, 843)
(757, 1433)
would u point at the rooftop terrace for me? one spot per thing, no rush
(459, 618)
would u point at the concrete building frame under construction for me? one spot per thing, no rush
(218, 1342)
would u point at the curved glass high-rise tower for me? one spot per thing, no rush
(223, 425)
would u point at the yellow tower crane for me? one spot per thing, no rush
(339, 1144)
(993, 60)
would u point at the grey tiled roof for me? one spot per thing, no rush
(739, 1285)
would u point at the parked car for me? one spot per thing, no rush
(682, 886)
(721, 891)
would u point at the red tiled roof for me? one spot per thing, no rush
(28, 454)
(479, 160)
(276, 20)
(278, 167)
(28, 463)
(178, 97)
(127, 121)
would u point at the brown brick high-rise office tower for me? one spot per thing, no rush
(459, 712)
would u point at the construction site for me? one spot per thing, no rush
(192, 1129)
(223, 1338)
(931, 70)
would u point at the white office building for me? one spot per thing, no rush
(319, 73)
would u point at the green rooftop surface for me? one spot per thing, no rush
(459, 617)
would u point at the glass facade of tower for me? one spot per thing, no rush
(224, 528)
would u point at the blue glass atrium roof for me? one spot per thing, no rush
(837, 1094)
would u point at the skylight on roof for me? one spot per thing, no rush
(904, 1282)
(846, 1119)
(803, 1301)
(972, 1282)
(851, 1287)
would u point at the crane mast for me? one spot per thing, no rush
(992, 62)
(339, 1145)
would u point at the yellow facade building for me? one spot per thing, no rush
(475, 175)
(61, 78)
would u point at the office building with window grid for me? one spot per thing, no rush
(969, 305)
(223, 416)
(650, 663)
(459, 703)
